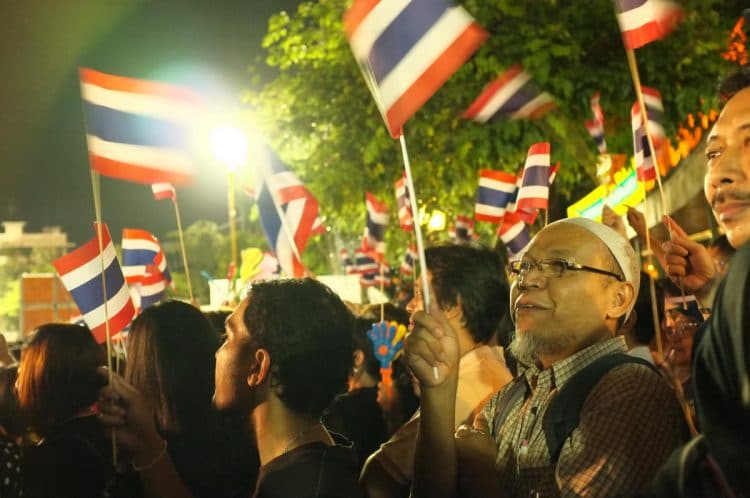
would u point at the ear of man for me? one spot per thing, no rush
(260, 368)
(622, 296)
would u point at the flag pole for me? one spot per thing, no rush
(182, 248)
(651, 284)
(382, 291)
(633, 64)
(96, 188)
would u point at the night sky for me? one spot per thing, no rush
(43, 162)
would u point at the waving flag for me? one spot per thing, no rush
(644, 21)
(512, 94)
(534, 190)
(136, 130)
(410, 257)
(163, 191)
(346, 262)
(81, 273)
(515, 235)
(463, 230)
(377, 222)
(496, 191)
(553, 172)
(365, 264)
(405, 217)
(281, 191)
(408, 49)
(644, 162)
(655, 112)
(144, 266)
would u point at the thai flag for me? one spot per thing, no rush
(410, 258)
(281, 191)
(81, 273)
(515, 235)
(463, 230)
(553, 172)
(377, 222)
(163, 191)
(139, 131)
(405, 217)
(512, 94)
(364, 263)
(534, 190)
(384, 279)
(346, 262)
(496, 191)
(644, 162)
(596, 130)
(408, 49)
(655, 112)
(644, 21)
(142, 255)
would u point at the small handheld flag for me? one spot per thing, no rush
(81, 273)
(377, 222)
(405, 217)
(496, 190)
(644, 21)
(163, 191)
(534, 190)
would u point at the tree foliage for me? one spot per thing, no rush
(319, 116)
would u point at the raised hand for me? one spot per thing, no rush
(432, 348)
(613, 220)
(637, 221)
(687, 262)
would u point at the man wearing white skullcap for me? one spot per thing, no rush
(582, 418)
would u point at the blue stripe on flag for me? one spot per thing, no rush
(403, 33)
(536, 175)
(137, 257)
(492, 197)
(89, 296)
(523, 96)
(135, 129)
(625, 5)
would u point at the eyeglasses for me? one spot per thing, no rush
(554, 268)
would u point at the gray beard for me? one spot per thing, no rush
(527, 348)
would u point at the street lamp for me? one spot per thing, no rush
(229, 146)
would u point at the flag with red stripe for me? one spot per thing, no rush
(534, 190)
(139, 131)
(644, 162)
(408, 49)
(644, 21)
(405, 217)
(163, 191)
(496, 191)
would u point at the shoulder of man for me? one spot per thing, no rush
(628, 382)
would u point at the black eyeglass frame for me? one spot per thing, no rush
(520, 268)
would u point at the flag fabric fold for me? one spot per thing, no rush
(281, 191)
(513, 94)
(144, 266)
(408, 49)
(644, 21)
(81, 274)
(139, 131)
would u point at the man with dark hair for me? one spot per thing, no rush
(468, 285)
(287, 354)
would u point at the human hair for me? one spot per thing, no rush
(217, 319)
(473, 277)
(361, 341)
(171, 361)
(731, 85)
(11, 418)
(57, 375)
(307, 331)
(391, 313)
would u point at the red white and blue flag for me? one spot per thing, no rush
(408, 49)
(515, 235)
(496, 191)
(596, 126)
(347, 264)
(281, 191)
(163, 190)
(410, 258)
(644, 161)
(553, 172)
(144, 266)
(377, 222)
(139, 131)
(364, 263)
(512, 94)
(655, 112)
(81, 273)
(644, 21)
(463, 230)
(405, 217)
(534, 190)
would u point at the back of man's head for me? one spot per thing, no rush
(472, 277)
(734, 83)
(307, 331)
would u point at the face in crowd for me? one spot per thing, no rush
(727, 180)
(559, 310)
(678, 329)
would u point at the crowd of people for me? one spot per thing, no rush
(288, 397)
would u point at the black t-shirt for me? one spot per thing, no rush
(313, 470)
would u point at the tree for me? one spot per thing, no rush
(319, 116)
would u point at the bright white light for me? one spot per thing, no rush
(437, 221)
(229, 145)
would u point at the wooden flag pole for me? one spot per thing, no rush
(633, 64)
(651, 284)
(182, 248)
(382, 291)
(95, 185)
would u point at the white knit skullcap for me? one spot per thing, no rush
(620, 248)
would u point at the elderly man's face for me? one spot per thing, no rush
(727, 180)
(562, 315)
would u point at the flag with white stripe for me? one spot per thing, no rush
(405, 217)
(496, 190)
(534, 190)
(163, 191)
(644, 161)
(377, 223)
(644, 21)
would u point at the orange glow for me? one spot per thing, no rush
(737, 51)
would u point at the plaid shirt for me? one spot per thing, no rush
(629, 424)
